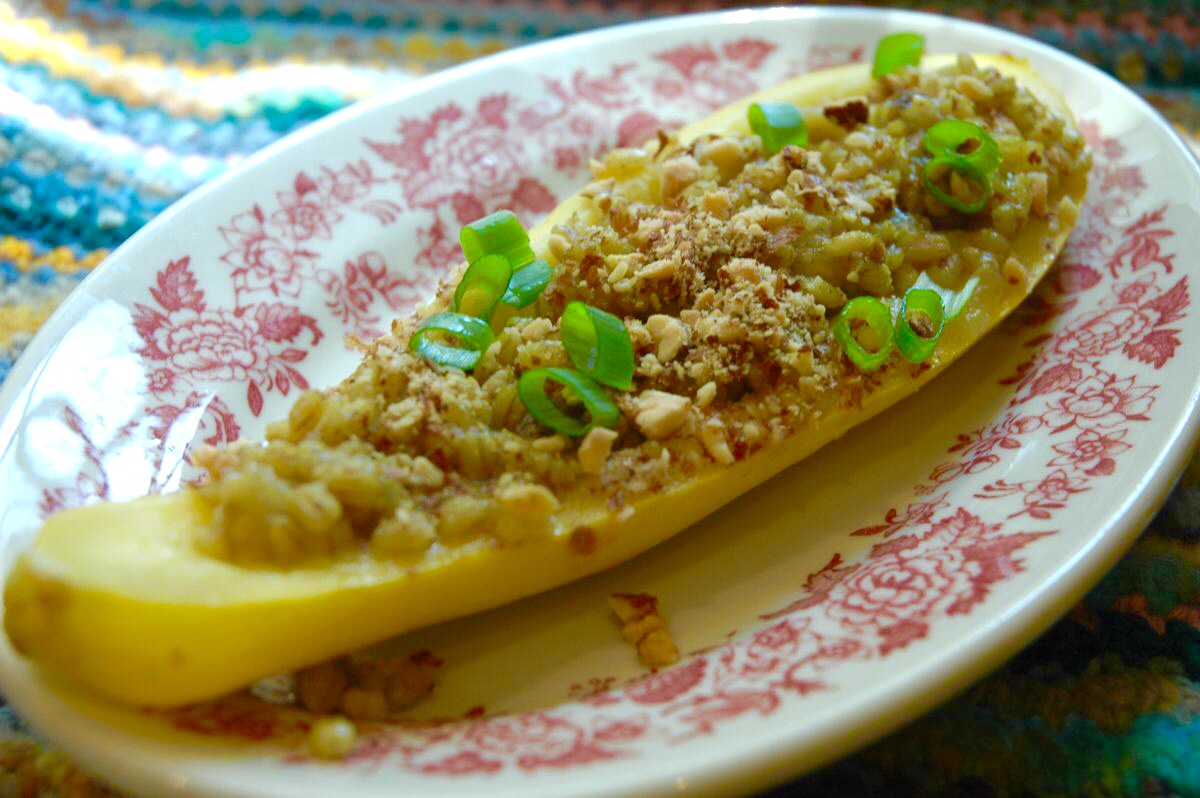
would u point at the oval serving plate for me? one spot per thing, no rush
(821, 610)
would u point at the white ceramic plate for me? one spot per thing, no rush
(825, 608)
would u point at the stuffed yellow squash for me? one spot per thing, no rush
(712, 308)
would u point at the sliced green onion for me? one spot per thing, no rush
(598, 344)
(897, 51)
(473, 335)
(778, 125)
(966, 140)
(498, 233)
(527, 284)
(916, 347)
(531, 387)
(484, 283)
(877, 317)
(963, 167)
(952, 301)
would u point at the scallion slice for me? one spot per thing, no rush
(531, 387)
(918, 346)
(472, 335)
(897, 51)
(598, 344)
(485, 282)
(498, 233)
(874, 315)
(939, 165)
(527, 284)
(778, 125)
(966, 140)
(952, 301)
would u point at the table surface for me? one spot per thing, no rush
(1105, 703)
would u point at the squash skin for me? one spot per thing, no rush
(117, 598)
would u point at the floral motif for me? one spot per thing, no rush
(165, 431)
(1091, 452)
(896, 590)
(201, 346)
(849, 611)
(705, 77)
(482, 152)
(271, 254)
(353, 293)
(1101, 401)
(1062, 388)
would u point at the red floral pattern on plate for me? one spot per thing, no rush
(253, 345)
(1085, 385)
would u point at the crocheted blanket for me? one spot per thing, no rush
(109, 111)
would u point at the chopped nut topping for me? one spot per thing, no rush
(712, 435)
(726, 265)
(1014, 272)
(594, 449)
(669, 333)
(644, 628)
(535, 501)
(660, 414)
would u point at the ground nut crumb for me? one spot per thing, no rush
(859, 141)
(537, 329)
(408, 681)
(362, 704)
(974, 88)
(706, 393)
(657, 649)
(425, 474)
(320, 688)
(644, 627)
(408, 531)
(1039, 186)
(551, 444)
(1014, 272)
(659, 269)
(670, 335)
(718, 203)
(727, 154)
(716, 443)
(332, 738)
(558, 246)
(461, 518)
(535, 501)
(594, 449)
(659, 414)
(678, 173)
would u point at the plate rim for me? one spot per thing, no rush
(926, 685)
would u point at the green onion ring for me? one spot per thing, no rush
(778, 125)
(877, 316)
(499, 233)
(531, 387)
(484, 283)
(474, 335)
(952, 301)
(527, 284)
(968, 171)
(897, 51)
(598, 344)
(915, 347)
(950, 136)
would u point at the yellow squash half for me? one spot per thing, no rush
(119, 598)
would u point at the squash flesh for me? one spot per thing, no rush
(120, 599)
